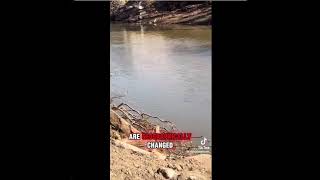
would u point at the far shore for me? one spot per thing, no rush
(193, 14)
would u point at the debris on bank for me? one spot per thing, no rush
(130, 161)
(162, 12)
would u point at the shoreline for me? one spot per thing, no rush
(153, 12)
(130, 161)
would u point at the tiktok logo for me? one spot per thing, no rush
(203, 141)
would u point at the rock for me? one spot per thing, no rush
(167, 173)
(136, 165)
(192, 178)
(178, 167)
(150, 171)
(203, 170)
(128, 146)
(159, 155)
(157, 129)
(120, 124)
(170, 166)
(203, 159)
(115, 135)
(134, 130)
(189, 167)
(129, 172)
(157, 176)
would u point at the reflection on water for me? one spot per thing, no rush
(165, 71)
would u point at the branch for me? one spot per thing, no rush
(115, 97)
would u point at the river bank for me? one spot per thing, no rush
(161, 12)
(129, 162)
(179, 62)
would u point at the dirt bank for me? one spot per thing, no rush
(130, 162)
(162, 12)
(132, 165)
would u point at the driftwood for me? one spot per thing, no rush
(126, 109)
(115, 97)
(141, 122)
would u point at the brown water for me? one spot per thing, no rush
(165, 71)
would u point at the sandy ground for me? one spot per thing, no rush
(131, 164)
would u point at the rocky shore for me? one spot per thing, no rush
(130, 162)
(162, 12)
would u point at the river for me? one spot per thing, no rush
(165, 71)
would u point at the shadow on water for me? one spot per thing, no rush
(199, 33)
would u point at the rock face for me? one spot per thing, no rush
(162, 12)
